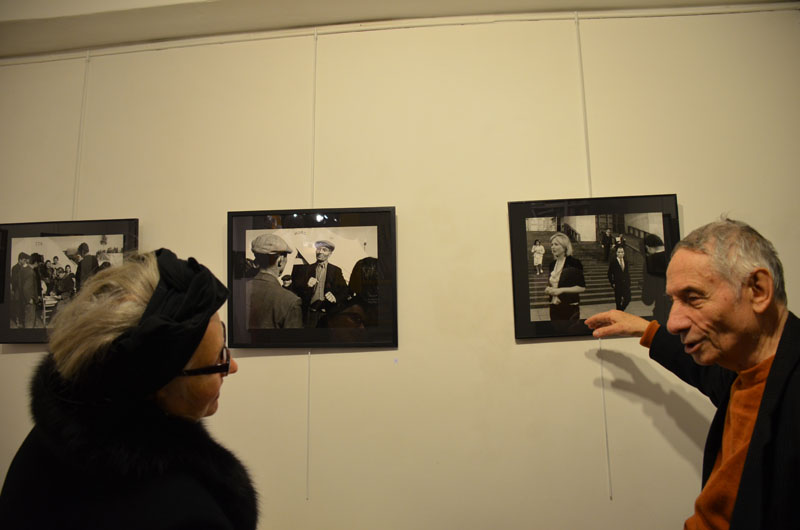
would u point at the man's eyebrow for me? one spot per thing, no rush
(688, 289)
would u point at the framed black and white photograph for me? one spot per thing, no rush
(574, 258)
(312, 278)
(45, 265)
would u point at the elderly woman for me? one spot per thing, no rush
(566, 280)
(137, 359)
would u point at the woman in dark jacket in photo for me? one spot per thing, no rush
(136, 359)
(566, 281)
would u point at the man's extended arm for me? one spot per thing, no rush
(616, 323)
(665, 349)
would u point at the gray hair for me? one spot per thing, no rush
(736, 249)
(564, 241)
(108, 304)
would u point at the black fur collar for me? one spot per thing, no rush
(120, 442)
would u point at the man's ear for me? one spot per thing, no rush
(761, 288)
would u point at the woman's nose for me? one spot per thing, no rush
(234, 367)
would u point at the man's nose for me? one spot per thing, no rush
(677, 320)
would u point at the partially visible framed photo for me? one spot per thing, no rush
(45, 265)
(574, 258)
(312, 278)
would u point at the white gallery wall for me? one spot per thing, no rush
(461, 426)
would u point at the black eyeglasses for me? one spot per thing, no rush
(222, 367)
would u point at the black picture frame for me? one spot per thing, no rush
(364, 313)
(108, 242)
(584, 221)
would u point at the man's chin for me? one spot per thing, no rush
(702, 361)
(703, 358)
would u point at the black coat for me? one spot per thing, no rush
(770, 483)
(654, 284)
(620, 280)
(334, 283)
(571, 275)
(101, 466)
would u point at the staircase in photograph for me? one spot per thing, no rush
(595, 273)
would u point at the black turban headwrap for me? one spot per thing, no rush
(149, 355)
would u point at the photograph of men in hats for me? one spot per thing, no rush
(289, 282)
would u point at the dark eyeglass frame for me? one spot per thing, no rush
(220, 368)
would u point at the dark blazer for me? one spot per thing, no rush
(107, 466)
(620, 280)
(769, 485)
(571, 275)
(334, 283)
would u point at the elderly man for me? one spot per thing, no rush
(319, 285)
(734, 339)
(270, 306)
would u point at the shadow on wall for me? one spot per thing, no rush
(677, 415)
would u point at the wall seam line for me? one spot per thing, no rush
(313, 185)
(81, 133)
(582, 83)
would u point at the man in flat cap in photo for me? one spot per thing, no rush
(269, 304)
(319, 285)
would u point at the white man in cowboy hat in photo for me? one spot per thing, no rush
(320, 285)
(730, 335)
(269, 305)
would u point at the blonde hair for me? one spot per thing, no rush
(108, 304)
(564, 241)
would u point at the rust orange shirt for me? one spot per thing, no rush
(714, 506)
